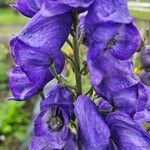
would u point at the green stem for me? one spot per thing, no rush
(53, 70)
(68, 86)
(67, 56)
(76, 55)
(69, 43)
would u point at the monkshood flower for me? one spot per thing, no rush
(118, 131)
(51, 125)
(145, 77)
(145, 55)
(25, 83)
(28, 7)
(143, 115)
(108, 59)
(94, 133)
(126, 133)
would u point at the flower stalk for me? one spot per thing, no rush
(76, 51)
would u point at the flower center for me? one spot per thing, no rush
(55, 123)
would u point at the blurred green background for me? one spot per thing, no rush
(16, 118)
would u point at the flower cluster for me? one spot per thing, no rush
(69, 119)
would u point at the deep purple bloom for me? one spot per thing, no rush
(145, 78)
(126, 133)
(110, 10)
(51, 125)
(132, 99)
(94, 133)
(123, 132)
(77, 3)
(142, 116)
(28, 7)
(145, 55)
(25, 83)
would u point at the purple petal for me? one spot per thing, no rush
(131, 99)
(109, 10)
(126, 133)
(28, 7)
(145, 78)
(142, 117)
(43, 31)
(36, 63)
(56, 138)
(145, 55)
(57, 104)
(39, 143)
(108, 74)
(93, 131)
(77, 3)
(105, 106)
(71, 144)
(20, 85)
(122, 40)
(60, 97)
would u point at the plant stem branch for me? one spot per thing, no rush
(67, 56)
(69, 43)
(76, 55)
(53, 70)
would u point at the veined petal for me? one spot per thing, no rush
(132, 99)
(53, 121)
(122, 40)
(108, 74)
(28, 7)
(109, 10)
(126, 133)
(34, 62)
(77, 3)
(22, 88)
(47, 30)
(60, 97)
(93, 131)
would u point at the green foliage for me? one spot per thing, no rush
(14, 119)
(6, 2)
(8, 16)
(3, 66)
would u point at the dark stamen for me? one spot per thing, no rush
(112, 42)
(56, 121)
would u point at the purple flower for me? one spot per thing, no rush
(132, 99)
(126, 133)
(108, 74)
(142, 116)
(121, 40)
(29, 80)
(51, 125)
(116, 131)
(94, 133)
(28, 7)
(145, 78)
(110, 10)
(77, 3)
(145, 55)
